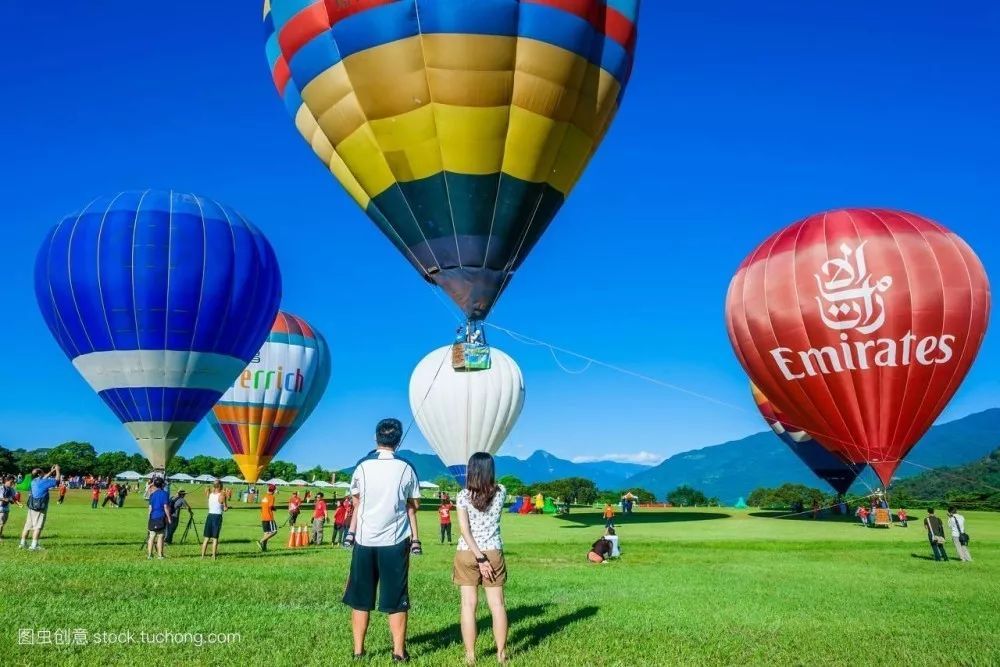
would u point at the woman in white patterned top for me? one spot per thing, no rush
(479, 560)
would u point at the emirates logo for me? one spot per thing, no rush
(849, 297)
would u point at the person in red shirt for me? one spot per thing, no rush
(902, 517)
(293, 508)
(95, 495)
(444, 516)
(862, 514)
(319, 519)
(339, 523)
(62, 492)
(267, 522)
(111, 496)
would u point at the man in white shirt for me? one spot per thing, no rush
(383, 532)
(957, 524)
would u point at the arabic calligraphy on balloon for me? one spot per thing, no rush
(852, 300)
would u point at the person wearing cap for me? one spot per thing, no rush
(383, 534)
(267, 522)
(176, 505)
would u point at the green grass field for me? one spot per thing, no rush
(693, 587)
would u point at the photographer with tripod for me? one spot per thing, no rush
(178, 503)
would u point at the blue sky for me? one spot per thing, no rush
(740, 118)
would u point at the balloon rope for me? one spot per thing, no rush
(413, 419)
(945, 472)
(847, 501)
(597, 362)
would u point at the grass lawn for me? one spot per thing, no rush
(693, 587)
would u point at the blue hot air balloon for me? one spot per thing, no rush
(826, 465)
(160, 299)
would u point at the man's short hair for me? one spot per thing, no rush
(158, 482)
(389, 432)
(952, 509)
(35, 472)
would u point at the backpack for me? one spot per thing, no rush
(38, 504)
(963, 537)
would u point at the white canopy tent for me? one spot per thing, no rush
(342, 485)
(130, 475)
(299, 482)
(205, 478)
(231, 479)
(181, 477)
(429, 485)
(322, 484)
(277, 482)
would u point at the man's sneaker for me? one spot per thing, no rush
(149, 556)
(160, 557)
(401, 658)
(20, 545)
(36, 547)
(261, 545)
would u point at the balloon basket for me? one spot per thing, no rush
(470, 357)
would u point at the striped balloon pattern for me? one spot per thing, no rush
(274, 395)
(459, 126)
(160, 299)
(826, 465)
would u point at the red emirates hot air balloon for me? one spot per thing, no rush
(860, 324)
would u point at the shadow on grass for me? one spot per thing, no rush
(646, 516)
(919, 557)
(523, 634)
(804, 516)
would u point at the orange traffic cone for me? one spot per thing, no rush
(291, 537)
(303, 537)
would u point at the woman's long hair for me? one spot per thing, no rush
(480, 480)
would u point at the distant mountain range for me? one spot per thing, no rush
(539, 467)
(734, 469)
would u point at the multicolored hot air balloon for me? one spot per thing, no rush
(859, 325)
(826, 465)
(459, 126)
(160, 299)
(274, 395)
(464, 412)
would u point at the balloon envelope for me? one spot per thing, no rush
(464, 412)
(160, 299)
(459, 126)
(859, 325)
(826, 465)
(274, 395)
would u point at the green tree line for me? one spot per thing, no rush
(80, 458)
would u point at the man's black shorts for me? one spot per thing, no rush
(388, 569)
(269, 526)
(157, 525)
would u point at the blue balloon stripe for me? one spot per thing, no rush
(159, 404)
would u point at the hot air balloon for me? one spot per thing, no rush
(274, 395)
(160, 299)
(464, 412)
(459, 127)
(829, 467)
(859, 325)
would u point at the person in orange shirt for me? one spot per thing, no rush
(319, 519)
(62, 492)
(609, 516)
(267, 522)
(95, 495)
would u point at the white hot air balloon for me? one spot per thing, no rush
(464, 412)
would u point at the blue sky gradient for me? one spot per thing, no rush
(740, 118)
